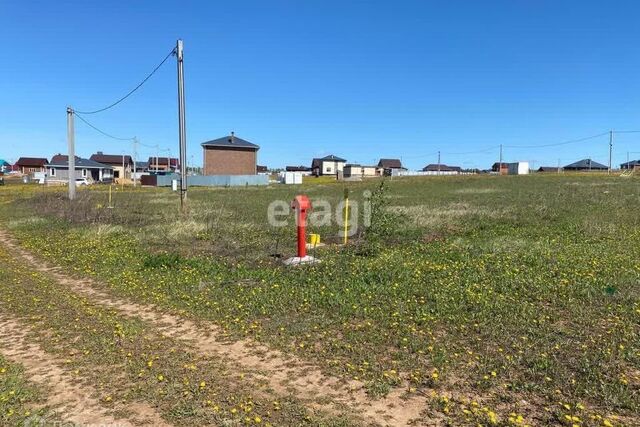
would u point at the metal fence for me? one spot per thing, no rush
(215, 180)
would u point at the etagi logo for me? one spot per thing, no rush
(323, 214)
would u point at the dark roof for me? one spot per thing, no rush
(230, 141)
(31, 161)
(434, 167)
(58, 158)
(548, 169)
(260, 168)
(142, 165)
(162, 161)
(630, 164)
(110, 159)
(332, 158)
(586, 164)
(61, 161)
(390, 164)
(297, 169)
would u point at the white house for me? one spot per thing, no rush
(329, 165)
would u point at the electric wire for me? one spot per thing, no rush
(485, 150)
(573, 141)
(131, 91)
(100, 130)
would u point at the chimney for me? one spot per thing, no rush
(100, 153)
(233, 137)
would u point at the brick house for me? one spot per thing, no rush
(230, 155)
(28, 165)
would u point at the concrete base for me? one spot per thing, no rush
(296, 260)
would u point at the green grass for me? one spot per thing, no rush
(19, 400)
(499, 290)
(125, 360)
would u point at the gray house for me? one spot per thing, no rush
(58, 170)
(586, 165)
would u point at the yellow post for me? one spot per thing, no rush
(346, 215)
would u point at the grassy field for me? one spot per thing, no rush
(491, 300)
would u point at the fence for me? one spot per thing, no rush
(215, 180)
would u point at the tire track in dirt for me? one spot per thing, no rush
(285, 375)
(70, 400)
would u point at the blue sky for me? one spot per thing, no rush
(359, 79)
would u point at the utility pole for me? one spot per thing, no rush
(438, 162)
(500, 164)
(135, 154)
(123, 173)
(157, 154)
(558, 166)
(181, 123)
(71, 161)
(610, 150)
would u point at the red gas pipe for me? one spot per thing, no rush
(301, 204)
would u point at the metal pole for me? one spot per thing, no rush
(181, 123)
(500, 164)
(610, 149)
(346, 216)
(438, 162)
(123, 173)
(71, 161)
(135, 167)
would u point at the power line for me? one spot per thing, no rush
(99, 130)
(421, 155)
(133, 90)
(147, 145)
(626, 131)
(573, 141)
(486, 150)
